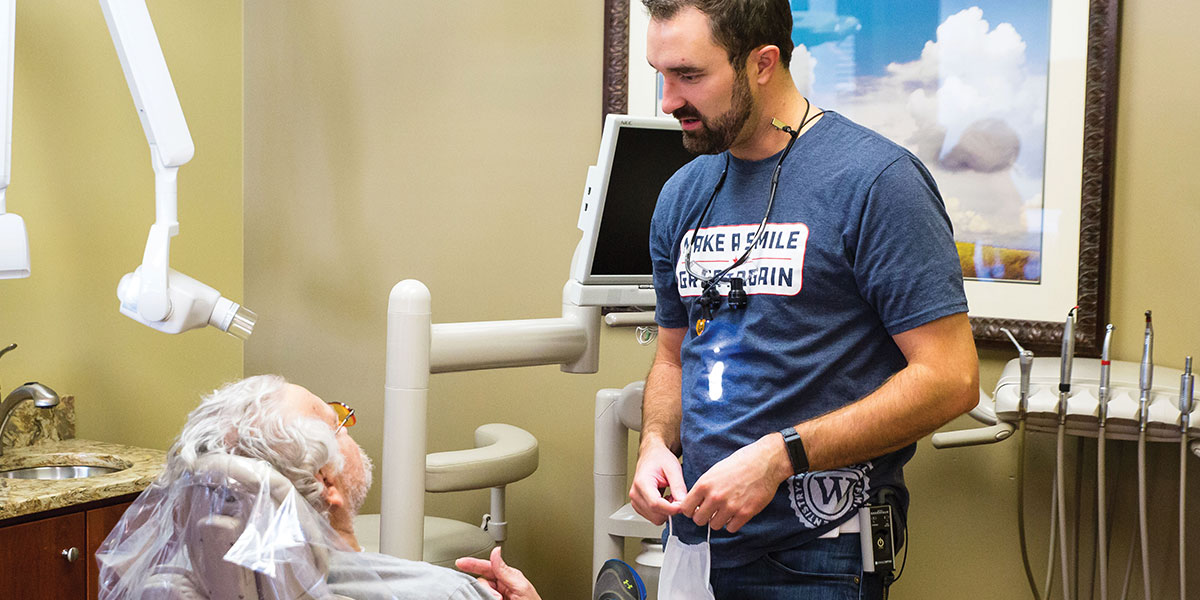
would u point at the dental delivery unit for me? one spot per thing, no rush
(1088, 397)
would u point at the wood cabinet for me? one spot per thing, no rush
(100, 521)
(36, 558)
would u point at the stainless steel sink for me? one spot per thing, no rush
(58, 472)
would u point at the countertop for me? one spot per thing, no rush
(26, 496)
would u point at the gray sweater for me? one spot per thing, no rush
(373, 576)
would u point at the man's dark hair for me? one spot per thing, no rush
(738, 26)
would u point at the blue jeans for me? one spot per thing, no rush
(823, 569)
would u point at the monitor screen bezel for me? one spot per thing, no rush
(595, 197)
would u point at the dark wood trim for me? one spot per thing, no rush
(1099, 152)
(616, 58)
(69, 509)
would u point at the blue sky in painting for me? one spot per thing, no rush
(896, 30)
(960, 83)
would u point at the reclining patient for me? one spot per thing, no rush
(267, 473)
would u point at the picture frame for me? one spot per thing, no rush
(1022, 309)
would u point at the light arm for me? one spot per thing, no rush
(8, 29)
(150, 84)
(166, 131)
(14, 243)
(154, 294)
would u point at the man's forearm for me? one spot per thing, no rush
(662, 407)
(940, 383)
(909, 406)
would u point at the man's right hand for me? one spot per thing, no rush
(657, 467)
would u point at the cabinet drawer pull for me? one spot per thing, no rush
(71, 554)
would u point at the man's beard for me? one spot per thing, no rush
(718, 135)
(357, 485)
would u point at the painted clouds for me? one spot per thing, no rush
(970, 107)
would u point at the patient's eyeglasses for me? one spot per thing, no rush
(345, 415)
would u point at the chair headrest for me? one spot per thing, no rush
(269, 537)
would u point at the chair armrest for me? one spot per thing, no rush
(502, 454)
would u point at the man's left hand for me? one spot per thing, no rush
(740, 486)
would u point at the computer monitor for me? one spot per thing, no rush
(637, 156)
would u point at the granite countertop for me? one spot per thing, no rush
(26, 496)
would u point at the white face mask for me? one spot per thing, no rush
(685, 570)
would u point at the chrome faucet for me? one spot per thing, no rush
(42, 396)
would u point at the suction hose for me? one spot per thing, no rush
(1143, 524)
(1060, 484)
(1183, 454)
(1101, 511)
(1021, 510)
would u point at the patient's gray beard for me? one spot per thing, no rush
(358, 486)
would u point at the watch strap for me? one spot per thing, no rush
(795, 450)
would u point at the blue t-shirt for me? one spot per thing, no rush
(858, 248)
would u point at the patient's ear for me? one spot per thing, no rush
(332, 495)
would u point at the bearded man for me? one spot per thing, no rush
(812, 319)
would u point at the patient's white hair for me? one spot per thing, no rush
(248, 418)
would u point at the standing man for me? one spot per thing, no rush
(797, 397)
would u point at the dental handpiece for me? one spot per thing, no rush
(1186, 383)
(1101, 468)
(1146, 376)
(1068, 356)
(1187, 401)
(1105, 366)
(1026, 363)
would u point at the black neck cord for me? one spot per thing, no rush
(794, 135)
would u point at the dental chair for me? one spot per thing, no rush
(233, 528)
(503, 454)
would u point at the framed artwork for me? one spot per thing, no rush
(1011, 104)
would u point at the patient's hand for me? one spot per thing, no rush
(506, 582)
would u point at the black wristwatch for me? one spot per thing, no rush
(795, 450)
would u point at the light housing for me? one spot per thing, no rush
(190, 305)
(14, 246)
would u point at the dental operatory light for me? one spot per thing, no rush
(14, 242)
(154, 294)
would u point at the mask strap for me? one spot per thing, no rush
(707, 537)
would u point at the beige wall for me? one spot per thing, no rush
(447, 141)
(82, 181)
